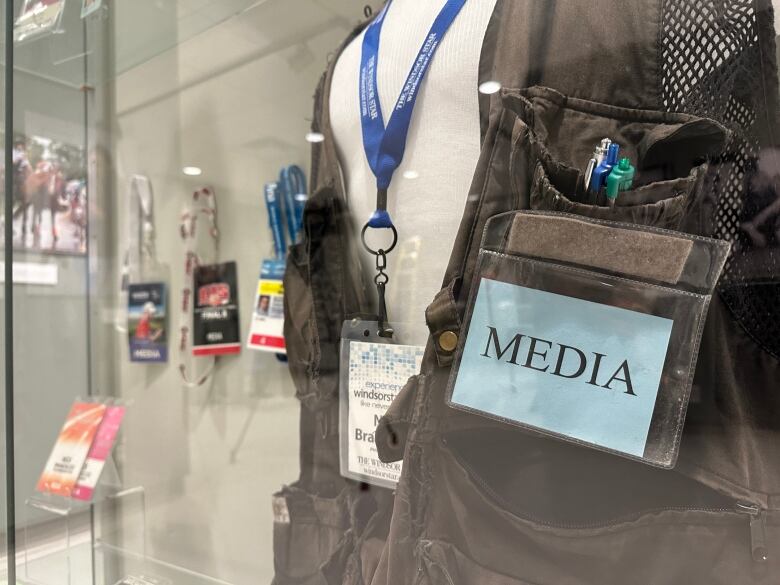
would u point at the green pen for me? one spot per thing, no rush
(620, 179)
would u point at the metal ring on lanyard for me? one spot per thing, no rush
(369, 249)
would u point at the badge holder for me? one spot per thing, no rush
(373, 371)
(148, 318)
(200, 236)
(143, 312)
(586, 330)
(266, 331)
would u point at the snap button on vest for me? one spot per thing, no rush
(444, 324)
(448, 341)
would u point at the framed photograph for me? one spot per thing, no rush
(49, 196)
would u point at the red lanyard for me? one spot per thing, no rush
(203, 205)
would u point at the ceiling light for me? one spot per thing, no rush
(489, 87)
(411, 175)
(314, 137)
(192, 171)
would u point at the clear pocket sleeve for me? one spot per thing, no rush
(586, 330)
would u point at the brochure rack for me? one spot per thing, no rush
(72, 541)
(73, 546)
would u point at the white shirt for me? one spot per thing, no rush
(429, 189)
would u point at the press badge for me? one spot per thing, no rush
(266, 333)
(373, 372)
(586, 330)
(215, 322)
(147, 322)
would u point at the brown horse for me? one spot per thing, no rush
(40, 189)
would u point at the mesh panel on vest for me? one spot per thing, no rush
(714, 64)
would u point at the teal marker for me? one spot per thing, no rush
(620, 179)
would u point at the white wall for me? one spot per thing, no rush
(234, 100)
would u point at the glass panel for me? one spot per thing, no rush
(5, 521)
(193, 199)
(51, 292)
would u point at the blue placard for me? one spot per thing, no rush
(576, 368)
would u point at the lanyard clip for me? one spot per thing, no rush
(381, 279)
(380, 219)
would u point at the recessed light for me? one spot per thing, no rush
(411, 175)
(489, 87)
(192, 171)
(314, 137)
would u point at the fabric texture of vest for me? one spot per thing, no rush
(482, 502)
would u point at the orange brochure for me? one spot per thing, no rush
(71, 449)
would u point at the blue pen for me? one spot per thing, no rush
(275, 219)
(600, 174)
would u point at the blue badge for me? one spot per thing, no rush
(576, 368)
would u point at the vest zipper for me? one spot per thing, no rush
(758, 546)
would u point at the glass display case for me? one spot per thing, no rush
(390, 293)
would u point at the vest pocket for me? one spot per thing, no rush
(307, 532)
(661, 204)
(560, 134)
(314, 308)
(588, 330)
(393, 428)
(565, 515)
(443, 564)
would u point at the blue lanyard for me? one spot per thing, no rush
(385, 146)
(292, 183)
(273, 204)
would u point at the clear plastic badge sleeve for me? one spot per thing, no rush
(373, 372)
(587, 330)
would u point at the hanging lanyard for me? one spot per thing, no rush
(140, 256)
(385, 145)
(292, 183)
(204, 203)
(274, 207)
(140, 228)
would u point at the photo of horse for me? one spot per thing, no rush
(49, 196)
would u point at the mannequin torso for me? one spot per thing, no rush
(430, 187)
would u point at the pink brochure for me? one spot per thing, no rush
(99, 453)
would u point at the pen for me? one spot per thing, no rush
(596, 159)
(602, 171)
(620, 179)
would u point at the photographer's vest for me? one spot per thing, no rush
(481, 501)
